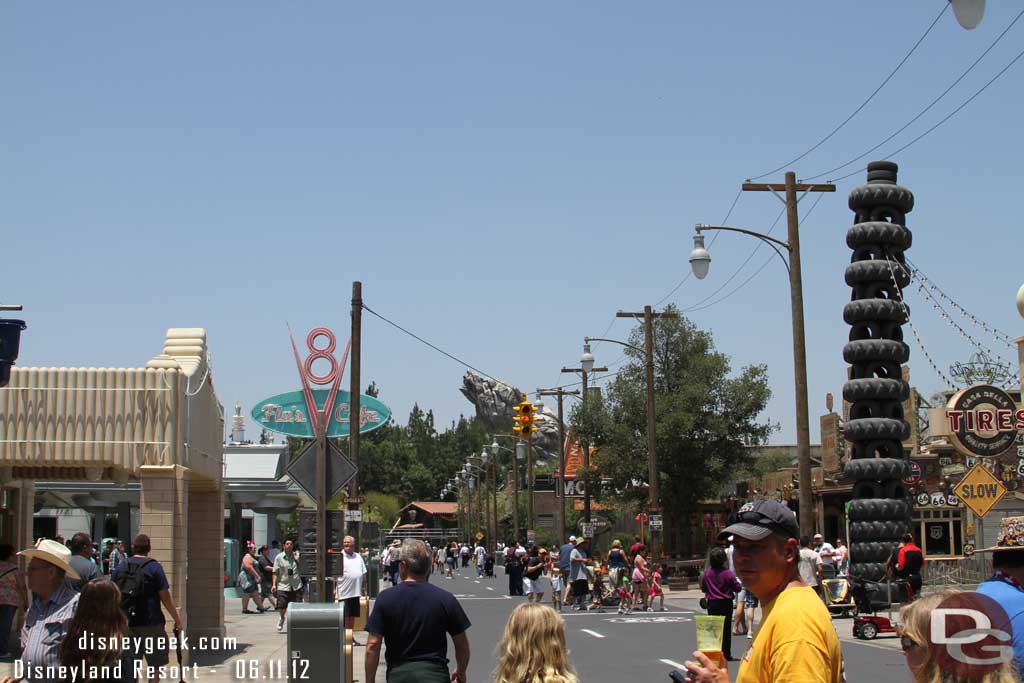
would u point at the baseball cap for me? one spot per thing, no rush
(572, 539)
(757, 520)
(817, 536)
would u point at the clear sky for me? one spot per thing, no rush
(502, 177)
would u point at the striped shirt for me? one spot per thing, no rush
(46, 624)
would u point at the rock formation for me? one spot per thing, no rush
(493, 401)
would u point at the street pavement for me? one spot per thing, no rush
(604, 646)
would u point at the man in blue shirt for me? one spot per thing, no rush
(564, 563)
(414, 620)
(53, 605)
(1006, 586)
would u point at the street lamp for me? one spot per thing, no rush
(700, 260)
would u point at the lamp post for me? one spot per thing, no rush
(700, 260)
(495, 447)
(586, 367)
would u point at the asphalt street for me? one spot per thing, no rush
(634, 648)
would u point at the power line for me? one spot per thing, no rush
(864, 103)
(926, 109)
(946, 118)
(435, 347)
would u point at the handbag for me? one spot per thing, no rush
(704, 603)
(245, 580)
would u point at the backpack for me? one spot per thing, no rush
(132, 582)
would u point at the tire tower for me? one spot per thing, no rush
(880, 511)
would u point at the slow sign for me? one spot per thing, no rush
(980, 491)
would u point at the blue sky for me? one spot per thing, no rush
(502, 177)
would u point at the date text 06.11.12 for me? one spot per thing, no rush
(271, 670)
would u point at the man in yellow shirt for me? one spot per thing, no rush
(796, 642)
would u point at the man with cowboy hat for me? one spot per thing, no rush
(1007, 583)
(53, 605)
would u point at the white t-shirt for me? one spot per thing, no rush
(350, 584)
(577, 571)
(728, 556)
(809, 561)
(480, 553)
(464, 551)
(826, 547)
(520, 551)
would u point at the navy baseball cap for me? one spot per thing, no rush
(757, 520)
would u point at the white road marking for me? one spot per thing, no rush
(476, 582)
(672, 663)
(489, 588)
(593, 633)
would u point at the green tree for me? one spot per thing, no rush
(705, 418)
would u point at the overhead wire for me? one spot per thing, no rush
(864, 103)
(923, 111)
(945, 118)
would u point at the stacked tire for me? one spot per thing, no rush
(880, 512)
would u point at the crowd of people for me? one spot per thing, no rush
(72, 599)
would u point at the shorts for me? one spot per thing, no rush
(655, 591)
(156, 641)
(749, 600)
(351, 606)
(450, 560)
(252, 589)
(285, 598)
(264, 590)
(580, 588)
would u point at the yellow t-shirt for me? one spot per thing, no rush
(795, 642)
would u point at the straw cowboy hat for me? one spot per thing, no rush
(1011, 536)
(53, 552)
(395, 543)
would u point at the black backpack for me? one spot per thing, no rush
(132, 582)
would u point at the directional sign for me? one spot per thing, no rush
(353, 515)
(340, 470)
(588, 529)
(979, 490)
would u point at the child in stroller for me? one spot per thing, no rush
(489, 565)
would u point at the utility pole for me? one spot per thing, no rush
(354, 421)
(583, 443)
(515, 492)
(560, 394)
(529, 482)
(653, 503)
(803, 431)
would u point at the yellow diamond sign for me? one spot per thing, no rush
(979, 490)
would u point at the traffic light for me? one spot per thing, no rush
(10, 336)
(523, 426)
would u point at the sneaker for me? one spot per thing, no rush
(280, 627)
(663, 609)
(750, 636)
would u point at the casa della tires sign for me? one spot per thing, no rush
(983, 421)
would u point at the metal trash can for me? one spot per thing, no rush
(316, 643)
(373, 576)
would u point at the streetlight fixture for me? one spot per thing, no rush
(700, 260)
(587, 359)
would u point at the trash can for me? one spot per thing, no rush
(316, 643)
(373, 576)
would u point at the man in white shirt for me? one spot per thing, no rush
(480, 554)
(810, 564)
(349, 586)
(827, 554)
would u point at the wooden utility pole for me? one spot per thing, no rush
(803, 431)
(354, 407)
(560, 394)
(653, 504)
(583, 443)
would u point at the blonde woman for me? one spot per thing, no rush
(532, 649)
(915, 632)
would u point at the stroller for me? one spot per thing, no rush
(601, 594)
(489, 566)
(839, 597)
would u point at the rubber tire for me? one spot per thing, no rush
(873, 196)
(876, 349)
(876, 469)
(868, 631)
(874, 310)
(861, 532)
(867, 571)
(873, 552)
(878, 509)
(876, 270)
(874, 388)
(879, 232)
(877, 429)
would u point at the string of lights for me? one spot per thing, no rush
(922, 278)
(913, 329)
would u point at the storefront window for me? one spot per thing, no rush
(939, 531)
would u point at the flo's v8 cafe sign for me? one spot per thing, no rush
(983, 421)
(289, 414)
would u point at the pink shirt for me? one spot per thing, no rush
(12, 584)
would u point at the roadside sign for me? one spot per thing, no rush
(353, 515)
(340, 470)
(915, 474)
(656, 525)
(979, 490)
(588, 530)
(655, 519)
(479, 536)
(354, 500)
